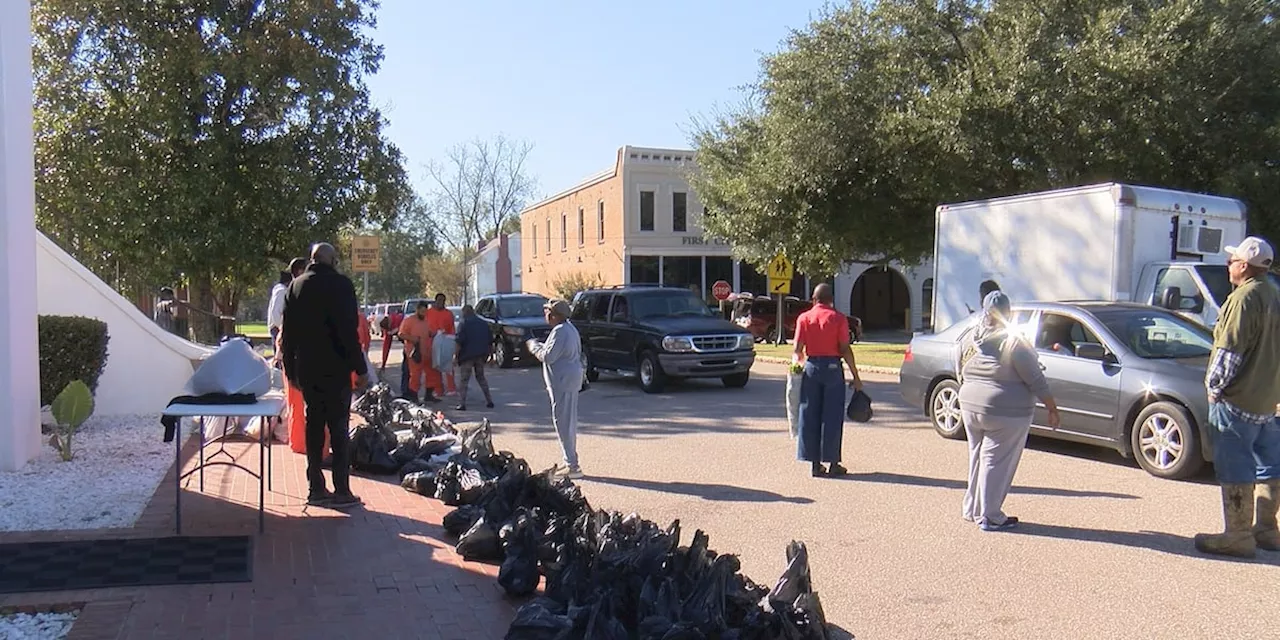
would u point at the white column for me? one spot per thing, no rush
(19, 359)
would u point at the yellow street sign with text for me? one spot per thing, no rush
(366, 254)
(779, 285)
(780, 269)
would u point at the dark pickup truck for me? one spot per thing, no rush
(659, 334)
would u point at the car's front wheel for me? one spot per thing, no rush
(502, 354)
(1165, 441)
(652, 378)
(944, 410)
(736, 380)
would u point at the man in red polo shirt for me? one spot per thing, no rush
(821, 342)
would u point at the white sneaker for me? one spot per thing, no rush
(572, 473)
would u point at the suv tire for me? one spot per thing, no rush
(593, 374)
(652, 378)
(736, 380)
(502, 354)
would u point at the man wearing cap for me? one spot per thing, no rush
(561, 357)
(1243, 383)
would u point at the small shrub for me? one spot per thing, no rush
(70, 409)
(568, 286)
(71, 348)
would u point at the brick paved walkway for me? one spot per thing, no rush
(385, 571)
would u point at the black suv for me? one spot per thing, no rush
(659, 334)
(513, 318)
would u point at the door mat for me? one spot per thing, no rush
(98, 564)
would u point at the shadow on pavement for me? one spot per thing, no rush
(921, 481)
(1154, 540)
(715, 492)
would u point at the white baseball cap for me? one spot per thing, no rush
(1254, 251)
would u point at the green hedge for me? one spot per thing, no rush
(71, 348)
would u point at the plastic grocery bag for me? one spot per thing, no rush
(233, 369)
(443, 347)
(793, 401)
(859, 409)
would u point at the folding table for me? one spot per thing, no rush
(268, 406)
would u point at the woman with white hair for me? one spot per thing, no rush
(1000, 381)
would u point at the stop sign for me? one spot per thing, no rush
(721, 290)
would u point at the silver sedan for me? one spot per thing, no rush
(1126, 376)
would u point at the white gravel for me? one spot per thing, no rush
(119, 461)
(39, 626)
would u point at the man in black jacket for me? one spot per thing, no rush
(320, 352)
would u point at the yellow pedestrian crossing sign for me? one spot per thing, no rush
(780, 286)
(780, 269)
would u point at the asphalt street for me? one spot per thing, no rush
(1104, 550)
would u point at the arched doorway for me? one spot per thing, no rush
(882, 299)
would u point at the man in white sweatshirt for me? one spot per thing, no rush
(275, 308)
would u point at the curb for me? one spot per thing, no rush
(890, 371)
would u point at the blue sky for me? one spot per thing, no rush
(577, 79)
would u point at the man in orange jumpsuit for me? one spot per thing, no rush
(440, 319)
(392, 321)
(415, 333)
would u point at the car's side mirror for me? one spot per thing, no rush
(1091, 351)
(1194, 304)
(1172, 299)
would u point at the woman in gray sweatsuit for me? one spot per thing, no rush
(1000, 381)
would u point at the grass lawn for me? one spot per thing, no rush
(253, 329)
(872, 354)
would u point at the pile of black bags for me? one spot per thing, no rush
(608, 576)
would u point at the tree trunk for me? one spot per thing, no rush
(204, 320)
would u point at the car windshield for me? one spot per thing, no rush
(668, 303)
(1156, 334)
(524, 307)
(1219, 281)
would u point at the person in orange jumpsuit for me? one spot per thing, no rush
(392, 320)
(415, 333)
(440, 319)
(364, 338)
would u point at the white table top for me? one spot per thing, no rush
(271, 404)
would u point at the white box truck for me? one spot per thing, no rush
(1108, 241)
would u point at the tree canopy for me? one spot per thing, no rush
(876, 112)
(207, 140)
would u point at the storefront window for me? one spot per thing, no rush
(752, 280)
(644, 270)
(684, 272)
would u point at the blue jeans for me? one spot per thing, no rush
(1243, 452)
(821, 410)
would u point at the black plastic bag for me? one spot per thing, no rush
(460, 520)
(859, 409)
(458, 485)
(420, 482)
(540, 620)
(519, 572)
(480, 542)
(416, 465)
(794, 600)
(477, 442)
(603, 625)
(371, 450)
(406, 449)
(435, 444)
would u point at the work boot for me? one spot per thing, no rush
(1237, 513)
(1266, 534)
